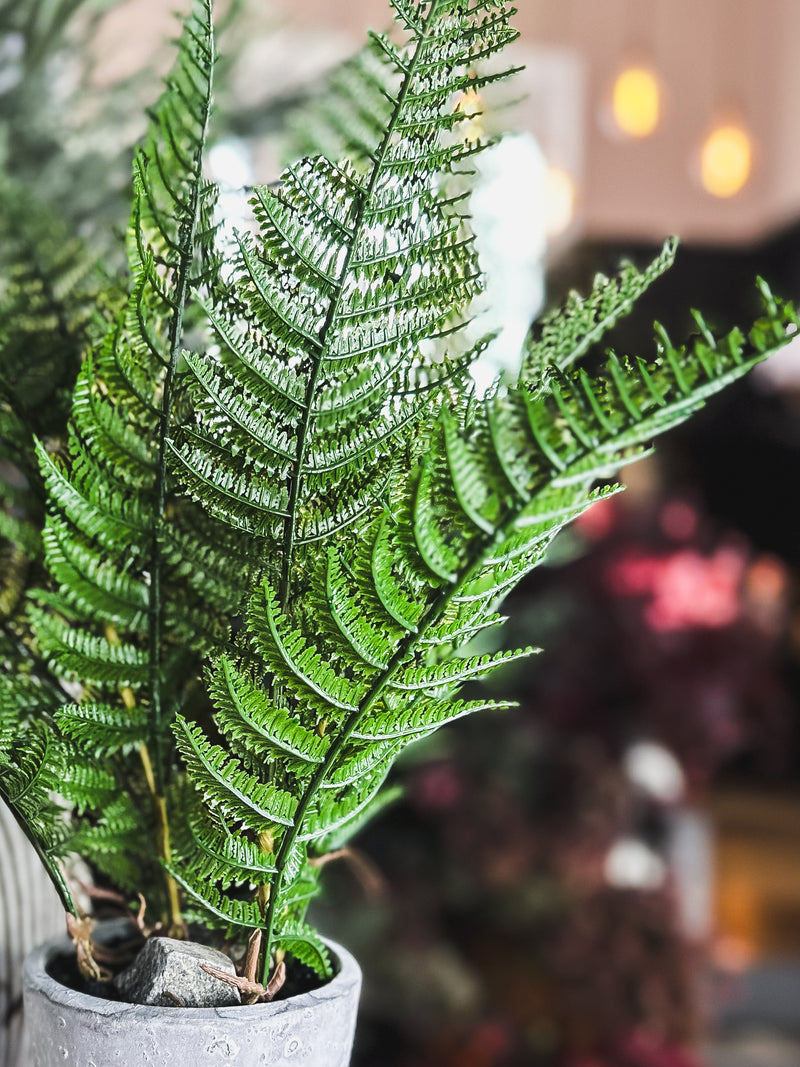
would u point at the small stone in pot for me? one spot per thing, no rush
(168, 972)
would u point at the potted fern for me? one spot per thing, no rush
(274, 522)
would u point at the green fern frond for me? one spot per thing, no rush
(29, 774)
(347, 117)
(103, 728)
(216, 909)
(419, 718)
(316, 683)
(339, 838)
(362, 763)
(306, 945)
(322, 325)
(454, 672)
(86, 657)
(568, 332)
(248, 719)
(48, 310)
(88, 786)
(127, 622)
(112, 494)
(90, 584)
(228, 788)
(501, 478)
(217, 855)
(105, 841)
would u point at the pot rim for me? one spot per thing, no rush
(36, 979)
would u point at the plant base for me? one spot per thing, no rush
(68, 1027)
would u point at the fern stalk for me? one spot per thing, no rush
(406, 648)
(163, 843)
(152, 755)
(366, 198)
(187, 252)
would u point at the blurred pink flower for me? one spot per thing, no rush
(685, 588)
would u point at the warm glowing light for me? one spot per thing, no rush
(470, 105)
(726, 161)
(637, 102)
(562, 194)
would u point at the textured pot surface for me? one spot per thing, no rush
(69, 1028)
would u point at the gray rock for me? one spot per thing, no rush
(168, 973)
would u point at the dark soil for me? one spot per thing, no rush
(300, 979)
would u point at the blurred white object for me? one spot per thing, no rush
(509, 216)
(631, 864)
(655, 771)
(552, 88)
(691, 860)
(230, 164)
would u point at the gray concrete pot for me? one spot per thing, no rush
(65, 1027)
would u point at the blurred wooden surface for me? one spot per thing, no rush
(757, 873)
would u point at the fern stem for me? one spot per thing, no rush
(153, 754)
(364, 203)
(486, 545)
(156, 560)
(408, 644)
(186, 241)
(163, 844)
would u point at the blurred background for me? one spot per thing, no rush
(609, 876)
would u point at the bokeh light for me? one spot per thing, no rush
(637, 102)
(726, 161)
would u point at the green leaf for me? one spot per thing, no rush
(567, 333)
(229, 789)
(305, 944)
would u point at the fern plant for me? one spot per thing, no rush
(276, 520)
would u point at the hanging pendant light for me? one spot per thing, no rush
(726, 160)
(636, 101)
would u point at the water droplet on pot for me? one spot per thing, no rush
(292, 1046)
(63, 1053)
(62, 1022)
